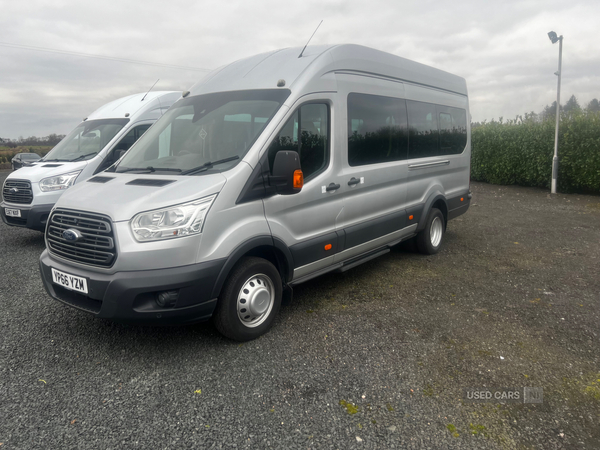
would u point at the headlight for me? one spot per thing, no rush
(59, 182)
(176, 221)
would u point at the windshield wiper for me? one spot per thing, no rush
(83, 156)
(54, 160)
(149, 168)
(208, 165)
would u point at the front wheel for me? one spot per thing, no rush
(429, 240)
(249, 301)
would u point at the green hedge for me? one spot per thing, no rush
(520, 152)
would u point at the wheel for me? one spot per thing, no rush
(249, 301)
(429, 240)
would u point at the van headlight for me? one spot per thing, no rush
(176, 221)
(59, 182)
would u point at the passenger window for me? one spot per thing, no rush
(422, 129)
(123, 145)
(376, 129)
(311, 143)
(453, 130)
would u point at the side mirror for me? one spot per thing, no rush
(287, 176)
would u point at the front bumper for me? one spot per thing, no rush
(33, 217)
(130, 296)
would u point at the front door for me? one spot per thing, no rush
(305, 222)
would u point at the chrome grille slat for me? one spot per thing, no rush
(97, 245)
(23, 196)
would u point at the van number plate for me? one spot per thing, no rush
(69, 281)
(12, 212)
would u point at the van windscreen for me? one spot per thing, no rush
(86, 140)
(204, 129)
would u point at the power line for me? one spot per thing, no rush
(110, 58)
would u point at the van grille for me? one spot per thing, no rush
(17, 191)
(96, 246)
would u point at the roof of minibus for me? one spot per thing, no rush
(134, 105)
(264, 71)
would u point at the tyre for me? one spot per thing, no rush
(249, 300)
(429, 240)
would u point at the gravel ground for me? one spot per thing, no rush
(376, 357)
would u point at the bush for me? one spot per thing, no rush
(521, 151)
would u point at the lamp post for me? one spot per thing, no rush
(554, 38)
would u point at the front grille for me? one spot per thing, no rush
(17, 191)
(96, 247)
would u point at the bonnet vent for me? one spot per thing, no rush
(150, 182)
(100, 179)
(52, 165)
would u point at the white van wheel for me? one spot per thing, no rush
(429, 240)
(249, 301)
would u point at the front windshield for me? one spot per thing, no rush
(86, 140)
(29, 156)
(205, 130)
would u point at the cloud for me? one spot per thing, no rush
(501, 48)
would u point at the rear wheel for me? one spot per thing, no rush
(429, 240)
(249, 301)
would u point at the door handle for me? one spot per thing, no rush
(353, 181)
(332, 187)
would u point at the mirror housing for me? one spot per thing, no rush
(287, 176)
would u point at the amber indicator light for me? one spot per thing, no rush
(410, 217)
(298, 179)
(328, 247)
(462, 198)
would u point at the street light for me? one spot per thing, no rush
(554, 38)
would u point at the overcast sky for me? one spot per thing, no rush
(500, 47)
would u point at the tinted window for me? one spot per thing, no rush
(376, 129)
(423, 130)
(312, 143)
(453, 130)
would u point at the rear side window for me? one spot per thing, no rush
(305, 132)
(453, 130)
(377, 129)
(423, 130)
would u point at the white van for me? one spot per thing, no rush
(99, 141)
(271, 171)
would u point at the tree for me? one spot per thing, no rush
(593, 106)
(572, 107)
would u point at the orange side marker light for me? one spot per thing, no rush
(462, 198)
(298, 179)
(410, 217)
(328, 247)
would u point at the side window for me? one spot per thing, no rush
(123, 145)
(453, 130)
(306, 132)
(376, 129)
(422, 129)
(133, 135)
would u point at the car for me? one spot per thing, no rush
(23, 159)
(267, 173)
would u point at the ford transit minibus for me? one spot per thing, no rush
(100, 140)
(269, 172)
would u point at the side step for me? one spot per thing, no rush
(347, 265)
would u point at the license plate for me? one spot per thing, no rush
(12, 212)
(69, 281)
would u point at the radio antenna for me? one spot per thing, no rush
(300, 55)
(149, 90)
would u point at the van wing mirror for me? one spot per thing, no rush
(287, 176)
(119, 154)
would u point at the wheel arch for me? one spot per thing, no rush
(272, 249)
(435, 200)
